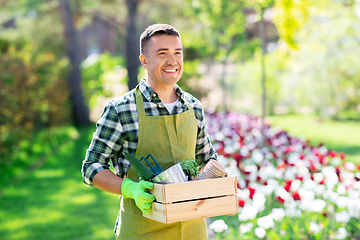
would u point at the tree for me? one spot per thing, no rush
(132, 45)
(79, 107)
(261, 6)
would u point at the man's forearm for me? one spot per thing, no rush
(107, 181)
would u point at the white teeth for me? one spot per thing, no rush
(169, 70)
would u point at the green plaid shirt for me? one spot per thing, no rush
(118, 130)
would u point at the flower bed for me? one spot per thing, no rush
(288, 189)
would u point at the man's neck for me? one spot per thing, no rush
(166, 93)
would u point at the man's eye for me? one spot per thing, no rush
(162, 53)
(179, 53)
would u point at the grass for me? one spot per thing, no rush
(53, 203)
(338, 136)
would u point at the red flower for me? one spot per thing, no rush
(325, 161)
(288, 149)
(279, 199)
(281, 166)
(302, 156)
(296, 196)
(252, 192)
(288, 181)
(241, 203)
(322, 182)
(342, 155)
(358, 166)
(325, 214)
(237, 156)
(287, 187)
(332, 153)
(299, 177)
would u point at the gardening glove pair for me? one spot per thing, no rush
(138, 192)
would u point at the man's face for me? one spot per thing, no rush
(163, 60)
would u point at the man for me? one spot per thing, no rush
(156, 117)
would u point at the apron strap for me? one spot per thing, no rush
(140, 103)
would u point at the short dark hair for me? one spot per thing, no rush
(153, 30)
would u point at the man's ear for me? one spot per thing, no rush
(143, 61)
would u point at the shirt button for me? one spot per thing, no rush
(154, 94)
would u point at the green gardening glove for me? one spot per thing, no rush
(138, 192)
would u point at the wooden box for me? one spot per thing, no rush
(194, 199)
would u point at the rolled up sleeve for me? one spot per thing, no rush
(204, 150)
(107, 141)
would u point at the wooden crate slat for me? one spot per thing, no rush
(170, 193)
(169, 213)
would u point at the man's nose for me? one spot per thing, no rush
(171, 60)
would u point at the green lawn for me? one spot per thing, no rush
(53, 203)
(339, 136)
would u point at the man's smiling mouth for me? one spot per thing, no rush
(170, 70)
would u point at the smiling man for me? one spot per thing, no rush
(156, 117)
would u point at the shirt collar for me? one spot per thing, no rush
(148, 93)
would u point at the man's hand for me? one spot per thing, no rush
(138, 192)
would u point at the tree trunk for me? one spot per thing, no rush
(263, 76)
(132, 44)
(80, 110)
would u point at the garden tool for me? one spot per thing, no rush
(174, 174)
(143, 171)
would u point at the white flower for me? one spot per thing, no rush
(341, 202)
(281, 192)
(275, 183)
(218, 226)
(341, 189)
(257, 155)
(260, 232)
(289, 174)
(309, 184)
(342, 217)
(318, 177)
(319, 190)
(349, 166)
(246, 227)
(244, 150)
(295, 185)
(356, 185)
(278, 213)
(318, 205)
(252, 168)
(323, 150)
(342, 233)
(315, 228)
(259, 200)
(243, 194)
(306, 194)
(303, 171)
(266, 222)
(248, 212)
(336, 161)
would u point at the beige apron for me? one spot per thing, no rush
(170, 139)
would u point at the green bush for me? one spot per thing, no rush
(33, 95)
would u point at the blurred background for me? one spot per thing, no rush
(293, 63)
